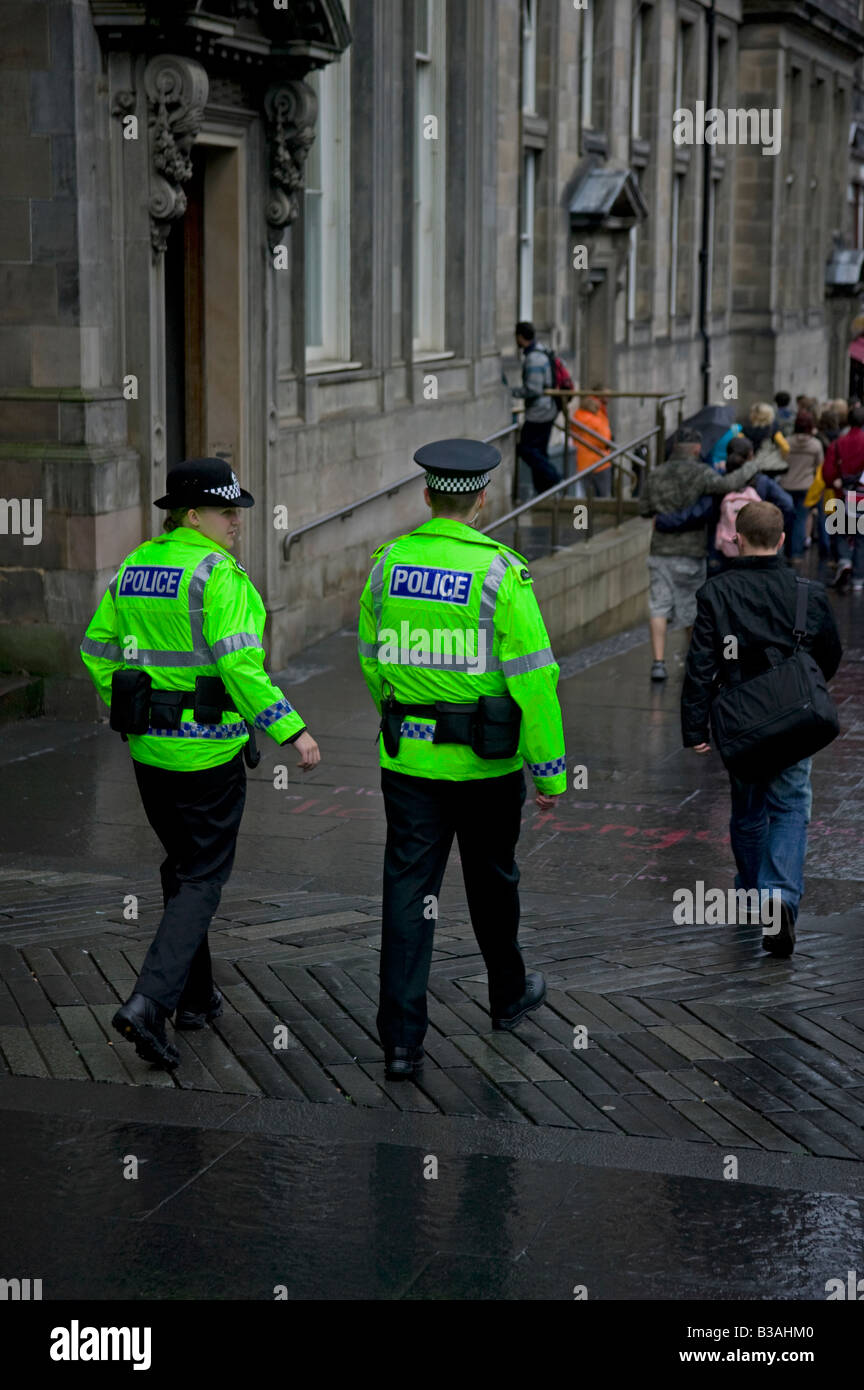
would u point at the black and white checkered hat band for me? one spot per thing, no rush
(472, 484)
(230, 493)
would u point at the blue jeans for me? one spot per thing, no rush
(795, 542)
(768, 830)
(852, 548)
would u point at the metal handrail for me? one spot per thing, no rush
(612, 458)
(389, 491)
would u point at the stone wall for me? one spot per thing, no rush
(593, 590)
(63, 440)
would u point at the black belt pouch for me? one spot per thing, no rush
(496, 729)
(392, 715)
(130, 702)
(166, 708)
(454, 723)
(209, 703)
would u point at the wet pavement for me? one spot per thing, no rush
(610, 1166)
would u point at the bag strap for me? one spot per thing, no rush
(800, 629)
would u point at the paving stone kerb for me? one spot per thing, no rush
(693, 1033)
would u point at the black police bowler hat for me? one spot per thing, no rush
(458, 465)
(204, 483)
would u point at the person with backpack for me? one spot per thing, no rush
(677, 563)
(538, 375)
(770, 612)
(843, 472)
(720, 512)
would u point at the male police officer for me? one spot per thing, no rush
(175, 649)
(457, 660)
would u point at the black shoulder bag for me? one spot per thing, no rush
(776, 718)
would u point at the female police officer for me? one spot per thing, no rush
(175, 649)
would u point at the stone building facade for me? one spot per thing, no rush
(298, 236)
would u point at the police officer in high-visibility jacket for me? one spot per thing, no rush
(457, 659)
(175, 650)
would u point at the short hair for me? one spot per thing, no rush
(459, 503)
(739, 447)
(856, 417)
(684, 435)
(840, 408)
(525, 329)
(176, 517)
(762, 413)
(804, 422)
(761, 524)
(782, 399)
(828, 420)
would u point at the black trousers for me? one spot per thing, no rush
(196, 816)
(534, 449)
(423, 815)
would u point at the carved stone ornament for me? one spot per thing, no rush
(291, 109)
(176, 95)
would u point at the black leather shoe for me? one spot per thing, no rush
(782, 944)
(188, 1018)
(142, 1021)
(401, 1063)
(535, 993)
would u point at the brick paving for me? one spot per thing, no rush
(689, 1036)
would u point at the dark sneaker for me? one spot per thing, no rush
(402, 1063)
(142, 1021)
(192, 1018)
(535, 993)
(843, 577)
(658, 671)
(782, 943)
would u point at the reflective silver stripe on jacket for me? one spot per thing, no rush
(376, 587)
(106, 650)
(235, 643)
(488, 600)
(532, 661)
(369, 649)
(200, 575)
(441, 661)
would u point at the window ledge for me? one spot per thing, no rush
(319, 368)
(423, 356)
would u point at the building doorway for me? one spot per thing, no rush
(204, 314)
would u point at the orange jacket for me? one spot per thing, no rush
(588, 450)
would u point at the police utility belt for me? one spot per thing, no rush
(136, 706)
(489, 725)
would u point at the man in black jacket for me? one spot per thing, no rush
(740, 611)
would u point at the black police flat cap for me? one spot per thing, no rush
(204, 483)
(458, 465)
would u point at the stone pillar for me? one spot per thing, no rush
(63, 449)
